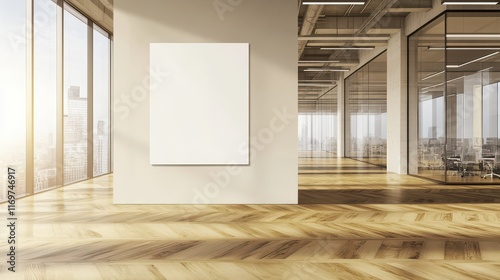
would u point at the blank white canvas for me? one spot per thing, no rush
(199, 113)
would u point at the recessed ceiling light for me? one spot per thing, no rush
(317, 85)
(470, 3)
(334, 3)
(472, 35)
(472, 61)
(348, 48)
(432, 75)
(318, 61)
(325, 70)
(315, 81)
(465, 48)
(425, 89)
(486, 69)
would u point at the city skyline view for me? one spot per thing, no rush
(47, 85)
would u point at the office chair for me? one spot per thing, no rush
(490, 163)
(468, 164)
(454, 163)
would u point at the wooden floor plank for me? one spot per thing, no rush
(356, 222)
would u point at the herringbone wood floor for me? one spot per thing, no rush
(354, 221)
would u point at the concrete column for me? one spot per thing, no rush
(397, 98)
(340, 117)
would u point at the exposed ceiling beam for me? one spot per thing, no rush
(97, 11)
(341, 44)
(108, 4)
(312, 14)
(372, 20)
(375, 17)
(318, 64)
(408, 6)
(350, 25)
(373, 37)
(353, 23)
(374, 30)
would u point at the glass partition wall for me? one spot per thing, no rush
(317, 123)
(453, 94)
(366, 112)
(427, 100)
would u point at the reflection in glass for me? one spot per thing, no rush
(13, 94)
(427, 76)
(75, 98)
(366, 112)
(455, 80)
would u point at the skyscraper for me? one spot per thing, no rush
(75, 136)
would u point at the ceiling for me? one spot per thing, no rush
(329, 26)
(100, 11)
(468, 60)
(368, 25)
(354, 26)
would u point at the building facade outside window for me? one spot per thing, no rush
(317, 126)
(56, 148)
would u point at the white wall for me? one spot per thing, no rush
(270, 28)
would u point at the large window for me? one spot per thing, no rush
(46, 96)
(13, 94)
(75, 96)
(454, 94)
(317, 123)
(101, 99)
(366, 112)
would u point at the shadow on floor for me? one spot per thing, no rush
(397, 196)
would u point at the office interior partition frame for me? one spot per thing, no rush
(454, 98)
